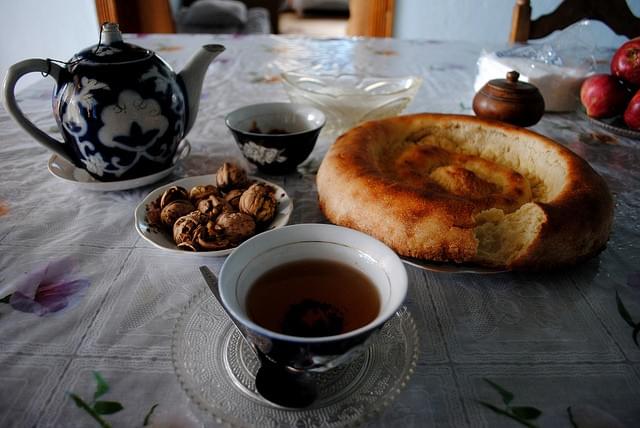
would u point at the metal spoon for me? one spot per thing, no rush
(275, 382)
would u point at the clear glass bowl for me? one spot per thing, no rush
(348, 99)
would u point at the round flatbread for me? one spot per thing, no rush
(466, 190)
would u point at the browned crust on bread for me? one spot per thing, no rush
(357, 190)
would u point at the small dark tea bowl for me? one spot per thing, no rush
(276, 137)
(281, 249)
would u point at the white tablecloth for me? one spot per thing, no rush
(553, 339)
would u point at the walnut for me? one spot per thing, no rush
(153, 213)
(207, 217)
(175, 210)
(185, 226)
(230, 175)
(214, 205)
(233, 197)
(259, 201)
(173, 193)
(210, 238)
(236, 226)
(202, 191)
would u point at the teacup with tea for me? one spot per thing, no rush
(309, 296)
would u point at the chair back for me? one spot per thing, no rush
(614, 13)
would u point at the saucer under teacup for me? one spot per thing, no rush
(216, 368)
(64, 170)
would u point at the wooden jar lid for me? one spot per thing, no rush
(509, 100)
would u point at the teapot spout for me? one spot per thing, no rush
(192, 76)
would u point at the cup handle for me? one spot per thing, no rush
(14, 73)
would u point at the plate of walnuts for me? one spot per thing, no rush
(210, 215)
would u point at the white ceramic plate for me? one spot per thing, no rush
(64, 170)
(162, 240)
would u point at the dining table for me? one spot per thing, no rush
(138, 339)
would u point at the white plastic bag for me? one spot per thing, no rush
(557, 65)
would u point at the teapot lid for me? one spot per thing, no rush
(111, 49)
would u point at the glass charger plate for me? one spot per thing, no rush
(217, 370)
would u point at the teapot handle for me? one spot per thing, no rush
(14, 73)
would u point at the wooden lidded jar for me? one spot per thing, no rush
(509, 100)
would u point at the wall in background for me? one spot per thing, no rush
(483, 21)
(44, 29)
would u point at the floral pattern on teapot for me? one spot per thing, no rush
(130, 130)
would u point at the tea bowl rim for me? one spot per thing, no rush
(277, 107)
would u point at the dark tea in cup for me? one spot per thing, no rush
(313, 298)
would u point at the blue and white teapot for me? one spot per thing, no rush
(121, 109)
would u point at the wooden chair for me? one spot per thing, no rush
(371, 18)
(614, 13)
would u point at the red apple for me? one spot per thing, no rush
(632, 113)
(625, 63)
(603, 95)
